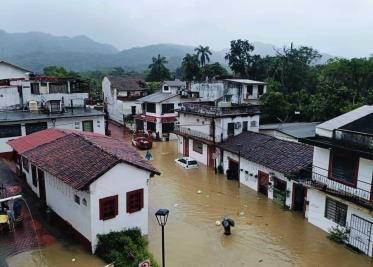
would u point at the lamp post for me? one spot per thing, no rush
(162, 216)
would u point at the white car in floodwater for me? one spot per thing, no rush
(187, 163)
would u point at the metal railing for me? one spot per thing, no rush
(195, 133)
(356, 194)
(213, 110)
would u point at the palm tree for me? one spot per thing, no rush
(203, 54)
(158, 70)
(190, 67)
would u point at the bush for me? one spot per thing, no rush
(124, 248)
(339, 234)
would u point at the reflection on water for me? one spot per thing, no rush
(264, 235)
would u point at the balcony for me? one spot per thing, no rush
(184, 131)
(352, 138)
(356, 195)
(211, 110)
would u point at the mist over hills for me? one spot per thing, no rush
(34, 50)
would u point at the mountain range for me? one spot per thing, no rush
(34, 50)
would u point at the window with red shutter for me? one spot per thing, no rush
(108, 207)
(135, 200)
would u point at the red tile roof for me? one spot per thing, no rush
(31, 141)
(79, 158)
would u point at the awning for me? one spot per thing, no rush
(168, 119)
(146, 118)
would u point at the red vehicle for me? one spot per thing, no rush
(142, 141)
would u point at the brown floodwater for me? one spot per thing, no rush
(264, 234)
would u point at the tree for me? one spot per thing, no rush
(158, 70)
(240, 60)
(212, 70)
(203, 54)
(59, 72)
(117, 71)
(190, 65)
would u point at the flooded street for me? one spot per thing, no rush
(264, 235)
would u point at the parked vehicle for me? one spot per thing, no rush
(142, 141)
(187, 163)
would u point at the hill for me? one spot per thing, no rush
(34, 50)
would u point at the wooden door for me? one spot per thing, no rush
(233, 173)
(263, 180)
(211, 160)
(186, 147)
(42, 194)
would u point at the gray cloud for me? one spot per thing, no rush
(338, 27)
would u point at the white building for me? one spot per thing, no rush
(239, 90)
(9, 71)
(268, 165)
(160, 109)
(204, 124)
(94, 183)
(120, 94)
(17, 123)
(341, 187)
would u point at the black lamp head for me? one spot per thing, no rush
(162, 216)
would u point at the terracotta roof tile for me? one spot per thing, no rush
(283, 156)
(79, 158)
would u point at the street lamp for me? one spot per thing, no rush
(162, 216)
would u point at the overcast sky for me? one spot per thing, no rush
(338, 27)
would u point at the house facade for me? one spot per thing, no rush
(202, 125)
(267, 165)
(74, 173)
(240, 90)
(121, 94)
(340, 189)
(18, 123)
(160, 109)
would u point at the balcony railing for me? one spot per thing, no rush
(213, 110)
(356, 195)
(352, 138)
(197, 134)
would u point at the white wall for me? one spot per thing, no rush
(316, 212)
(9, 97)
(202, 158)
(250, 180)
(74, 123)
(8, 72)
(125, 178)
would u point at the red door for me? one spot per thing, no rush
(186, 147)
(211, 160)
(263, 180)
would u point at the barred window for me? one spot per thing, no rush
(335, 211)
(197, 147)
(108, 207)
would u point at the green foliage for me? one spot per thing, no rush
(203, 53)
(158, 70)
(153, 86)
(190, 68)
(212, 70)
(240, 59)
(59, 72)
(339, 234)
(125, 248)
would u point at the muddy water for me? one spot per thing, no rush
(264, 235)
(55, 255)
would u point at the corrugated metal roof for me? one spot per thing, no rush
(295, 129)
(346, 118)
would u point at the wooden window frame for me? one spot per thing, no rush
(103, 202)
(91, 124)
(355, 173)
(197, 149)
(132, 204)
